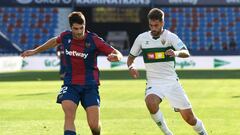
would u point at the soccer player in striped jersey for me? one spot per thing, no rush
(159, 48)
(81, 80)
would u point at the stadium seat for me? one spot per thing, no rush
(26, 26)
(214, 25)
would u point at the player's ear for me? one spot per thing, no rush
(162, 23)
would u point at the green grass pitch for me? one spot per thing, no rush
(29, 108)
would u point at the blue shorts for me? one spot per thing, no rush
(88, 95)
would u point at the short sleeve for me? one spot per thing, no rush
(176, 42)
(136, 48)
(102, 46)
(59, 39)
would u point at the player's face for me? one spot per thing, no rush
(78, 30)
(156, 27)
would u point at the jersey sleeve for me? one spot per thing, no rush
(102, 46)
(136, 48)
(176, 42)
(59, 38)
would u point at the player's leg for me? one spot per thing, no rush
(152, 101)
(190, 118)
(91, 102)
(93, 119)
(69, 108)
(69, 98)
(179, 100)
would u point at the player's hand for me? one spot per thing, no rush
(113, 57)
(134, 73)
(28, 53)
(170, 52)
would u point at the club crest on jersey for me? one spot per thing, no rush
(163, 42)
(69, 41)
(87, 45)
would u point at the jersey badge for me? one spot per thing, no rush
(163, 42)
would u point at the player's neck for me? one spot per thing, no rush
(80, 37)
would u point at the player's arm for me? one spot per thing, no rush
(131, 67)
(49, 44)
(134, 52)
(182, 53)
(115, 56)
(180, 48)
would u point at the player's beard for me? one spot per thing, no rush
(155, 34)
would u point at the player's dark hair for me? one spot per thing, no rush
(76, 17)
(156, 14)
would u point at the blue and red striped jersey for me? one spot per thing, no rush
(81, 57)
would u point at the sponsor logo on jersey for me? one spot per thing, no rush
(76, 54)
(155, 55)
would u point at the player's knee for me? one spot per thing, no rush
(94, 126)
(191, 120)
(152, 106)
(69, 115)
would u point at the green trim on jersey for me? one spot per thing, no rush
(152, 55)
(132, 55)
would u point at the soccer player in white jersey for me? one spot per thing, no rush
(159, 48)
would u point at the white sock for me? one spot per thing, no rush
(199, 128)
(158, 118)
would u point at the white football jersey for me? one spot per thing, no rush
(158, 65)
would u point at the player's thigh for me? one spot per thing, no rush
(90, 96)
(69, 92)
(177, 96)
(152, 100)
(154, 93)
(153, 97)
(93, 114)
(69, 108)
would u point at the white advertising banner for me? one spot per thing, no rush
(194, 62)
(11, 63)
(209, 62)
(41, 63)
(52, 63)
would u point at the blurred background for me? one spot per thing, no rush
(28, 87)
(208, 28)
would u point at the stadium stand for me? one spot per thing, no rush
(28, 27)
(201, 28)
(204, 28)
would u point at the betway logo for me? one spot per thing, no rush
(75, 53)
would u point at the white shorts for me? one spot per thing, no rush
(172, 90)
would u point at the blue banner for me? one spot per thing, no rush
(196, 2)
(37, 3)
(117, 3)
